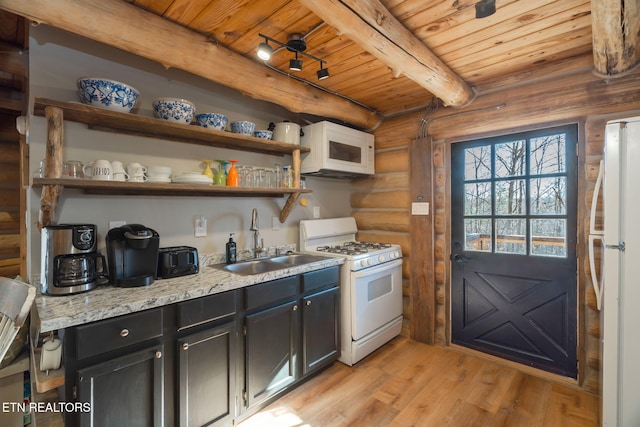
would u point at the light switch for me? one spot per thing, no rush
(420, 208)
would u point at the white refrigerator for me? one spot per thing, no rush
(618, 289)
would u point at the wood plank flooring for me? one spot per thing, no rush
(407, 383)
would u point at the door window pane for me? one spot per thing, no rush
(548, 196)
(510, 197)
(549, 237)
(477, 234)
(511, 236)
(477, 163)
(345, 152)
(477, 198)
(548, 154)
(510, 159)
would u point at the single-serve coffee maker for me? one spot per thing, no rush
(132, 255)
(70, 262)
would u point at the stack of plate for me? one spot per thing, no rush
(192, 178)
(158, 179)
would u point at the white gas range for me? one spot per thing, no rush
(371, 284)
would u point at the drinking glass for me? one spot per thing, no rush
(260, 177)
(270, 178)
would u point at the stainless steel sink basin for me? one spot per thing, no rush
(248, 268)
(266, 265)
(297, 259)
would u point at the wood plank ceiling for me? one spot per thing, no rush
(520, 41)
(385, 57)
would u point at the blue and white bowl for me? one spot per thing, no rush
(107, 93)
(263, 134)
(212, 120)
(174, 110)
(243, 127)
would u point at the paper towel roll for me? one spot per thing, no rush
(51, 355)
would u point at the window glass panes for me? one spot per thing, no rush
(510, 197)
(477, 199)
(511, 236)
(477, 163)
(510, 159)
(547, 154)
(548, 196)
(477, 234)
(549, 237)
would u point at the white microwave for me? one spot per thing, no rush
(336, 151)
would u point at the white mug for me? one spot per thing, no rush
(138, 178)
(98, 169)
(120, 176)
(134, 169)
(117, 167)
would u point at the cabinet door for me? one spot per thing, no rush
(125, 391)
(207, 376)
(320, 316)
(270, 349)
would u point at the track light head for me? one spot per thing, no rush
(485, 8)
(323, 73)
(264, 51)
(295, 64)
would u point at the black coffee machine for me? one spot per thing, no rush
(69, 261)
(132, 255)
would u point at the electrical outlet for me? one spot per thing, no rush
(275, 223)
(420, 208)
(35, 279)
(200, 226)
(316, 212)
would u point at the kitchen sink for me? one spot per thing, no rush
(266, 265)
(297, 259)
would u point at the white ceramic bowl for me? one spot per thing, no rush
(106, 93)
(159, 170)
(263, 134)
(174, 109)
(243, 127)
(212, 120)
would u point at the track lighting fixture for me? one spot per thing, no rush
(297, 45)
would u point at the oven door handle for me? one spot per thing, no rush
(377, 268)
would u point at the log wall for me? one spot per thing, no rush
(382, 203)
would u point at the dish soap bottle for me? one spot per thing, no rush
(231, 250)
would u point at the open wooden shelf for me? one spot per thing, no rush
(133, 124)
(57, 112)
(90, 186)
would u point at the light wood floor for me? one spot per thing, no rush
(407, 383)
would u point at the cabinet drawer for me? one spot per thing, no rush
(206, 309)
(320, 278)
(112, 334)
(270, 292)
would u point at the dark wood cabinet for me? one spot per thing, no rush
(320, 333)
(207, 376)
(270, 348)
(186, 364)
(124, 391)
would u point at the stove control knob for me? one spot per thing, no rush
(369, 261)
(381, 258)
(363, 263)
(396, 254)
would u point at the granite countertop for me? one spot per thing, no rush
(59, 312)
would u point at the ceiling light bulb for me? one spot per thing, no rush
(264, 51)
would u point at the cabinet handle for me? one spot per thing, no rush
(124, 332)
(308, 302)
(294, 308)
(158, 355)
(185, 346)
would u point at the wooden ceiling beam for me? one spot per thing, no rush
(150, 36)
(616, 35)
(370, 25)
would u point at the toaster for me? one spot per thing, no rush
(176, 261)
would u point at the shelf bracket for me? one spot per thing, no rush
(288, 206)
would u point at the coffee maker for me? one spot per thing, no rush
(132, 254)
(69, 261)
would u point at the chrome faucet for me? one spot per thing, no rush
(258, 242)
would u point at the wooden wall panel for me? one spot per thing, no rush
(581, 98)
